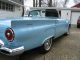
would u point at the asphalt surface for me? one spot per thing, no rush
(64, 48)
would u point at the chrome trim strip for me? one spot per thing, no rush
(47, 38)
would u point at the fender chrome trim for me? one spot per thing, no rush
(12, 52)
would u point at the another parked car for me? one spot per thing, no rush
(78, 22)
(25, 33)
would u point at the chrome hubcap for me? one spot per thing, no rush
(47, 44)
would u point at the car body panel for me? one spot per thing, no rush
(31, 32)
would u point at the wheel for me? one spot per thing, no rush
(46, 46)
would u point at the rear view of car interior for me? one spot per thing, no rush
(51, 13)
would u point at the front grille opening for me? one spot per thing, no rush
(4, 52)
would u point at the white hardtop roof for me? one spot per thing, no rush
(43, 8)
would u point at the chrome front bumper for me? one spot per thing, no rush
(12, 52)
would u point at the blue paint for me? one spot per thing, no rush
(31, 32)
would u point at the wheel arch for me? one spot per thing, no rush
(47, 38)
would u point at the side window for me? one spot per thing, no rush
(51, 13)
(34, 13)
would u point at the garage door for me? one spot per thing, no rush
(74, 18)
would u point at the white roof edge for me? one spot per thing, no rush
(60, 8)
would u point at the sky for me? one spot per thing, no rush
(28, 3)
(70, 3)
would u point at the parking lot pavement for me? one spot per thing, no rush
(64, 48)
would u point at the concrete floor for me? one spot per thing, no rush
(64, 48)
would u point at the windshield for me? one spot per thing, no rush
(34, 13)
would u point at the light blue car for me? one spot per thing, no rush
(25, 33)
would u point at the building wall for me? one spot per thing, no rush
(9, 9)
(66, 14)
(17, 1)
(71, 15)
(74, 17)
(11, 14)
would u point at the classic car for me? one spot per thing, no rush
(21, 34)
(78, 22)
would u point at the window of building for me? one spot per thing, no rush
(0, 4)
(3, 5)
(6, 6)
(12, 8)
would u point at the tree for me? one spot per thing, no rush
(50, 3)
(65, 2)
(33, 3)
(39, 3)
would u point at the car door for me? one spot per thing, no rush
(59, 28)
